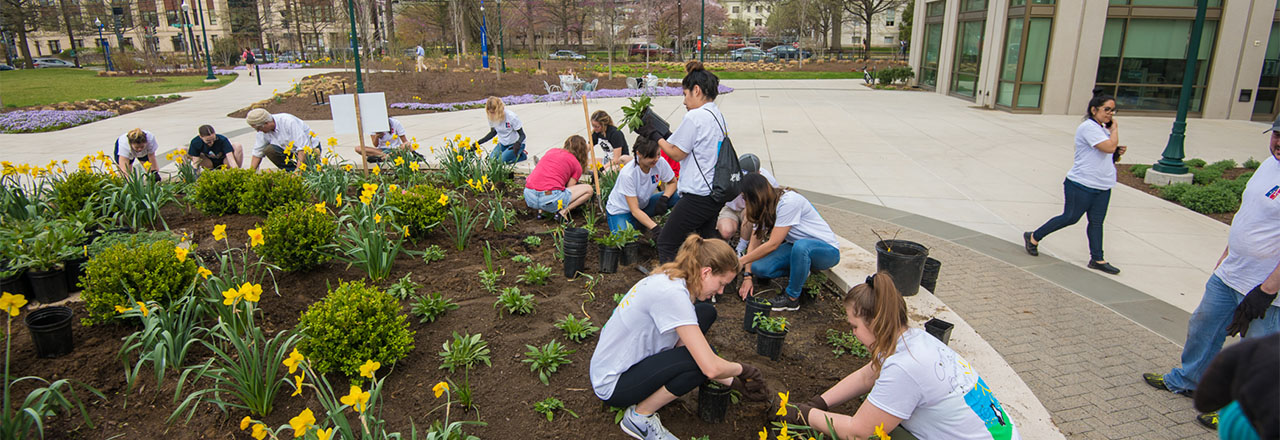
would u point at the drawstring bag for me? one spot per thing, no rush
(726, 183)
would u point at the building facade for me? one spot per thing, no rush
(1047, 56)
(884, 29)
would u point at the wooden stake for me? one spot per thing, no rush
(364, 161)
(595, 171)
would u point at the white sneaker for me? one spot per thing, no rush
(644, 427)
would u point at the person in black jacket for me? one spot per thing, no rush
(1242, 385)
(610, 139)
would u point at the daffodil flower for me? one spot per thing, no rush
(444, 199)
(782, 407)
(880, 432)
(251, 292)
(324, 434)
(377, 218)
(560, 205)
(255, 237)
(300, 423)
(204, 272)
(143, 308)
(259, 431)
(293, 360)
(219, 232)
(338, 200)
(440, 388)
(181, 253)
(356, 398)
(399, 161)
(320, 207)
(393, 187)
(244, 423)
(764, 434)
(414, 166)
(782, 434)
(333, 141)
(369, 368)
(231, 296)
(297, 384)
(12, 303)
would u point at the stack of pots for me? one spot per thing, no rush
(904, 261)
(575, 251)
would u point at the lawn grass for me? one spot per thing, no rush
(789, 75)
(27, 87)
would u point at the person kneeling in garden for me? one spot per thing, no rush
(553, 185)
(138, 144)
(799, 240)
(730, 221)
(634, 200)
(913, 379)
(506, 126)
(276, 135)
(654, 348)
(211, 150)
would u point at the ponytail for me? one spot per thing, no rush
(879, 304)
(696, 253)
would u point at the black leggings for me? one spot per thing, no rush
(694, 214)
(1080, 200)
(674, 369)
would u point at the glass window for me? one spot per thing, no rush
(968, 57)
(55, 46)
(1264, 105)
(973, 5)
(932, 47)
(1037, 49)
(936, 9)
(1144, 61)
(1012, 49)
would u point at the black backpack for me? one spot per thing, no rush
(726, 183)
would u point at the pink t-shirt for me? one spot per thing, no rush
(554, 171)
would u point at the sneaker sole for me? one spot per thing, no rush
(786, 309)
(623, 425)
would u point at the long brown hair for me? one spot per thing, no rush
(881, 306)
(578, 147)
(696, 253)
(602, 117)
(762, 203)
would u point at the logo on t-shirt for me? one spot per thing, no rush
(653, 178)
(1274, 192)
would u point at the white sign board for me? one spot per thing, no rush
(373, 112)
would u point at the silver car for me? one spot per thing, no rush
(566, 55)
(748, 54)
(41, 63)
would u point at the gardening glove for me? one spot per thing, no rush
(659, 134)
(750, 383)
(661, 206)
(742, 246)
(797, 413)
(645, 131)
(1253, 307)
(654, 232)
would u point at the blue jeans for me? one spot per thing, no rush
(547, 202)
(1080, 199)
(618, 222)
(796, 259)
(509, 153)
(1208, 329)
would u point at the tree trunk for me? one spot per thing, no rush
(866, 43)
(837, 22)
(71, 36)
(26, 51)
(295, 12)
(390, 26)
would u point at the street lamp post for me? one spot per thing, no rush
(484, 37)
(1171, 159)
(106, 45)
(208, 62)
(355, 46)
(502, 42)
(702, 34)
(191, 43)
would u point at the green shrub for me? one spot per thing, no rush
(266, 191)
(146, 271)
(1174, 191)
(1206, 175)
(217, 192)
(1195, 163)
(1252, 164)
(419, 208)
(296, 236)
(353, 324)
(1236, 186)
(1139, 171)
(72, 193)
(1211, 199)
(1224, 164)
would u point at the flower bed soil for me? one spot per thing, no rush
(1124, 176)
(504, 393)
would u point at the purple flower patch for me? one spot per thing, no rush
(273, 66)
(552, 97)
(35, 121)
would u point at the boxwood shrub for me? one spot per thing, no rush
(1195, 163)
(353, 324)
(148, 270)
(266, 191)
(419, 207)
(217, 192)
(1139, 171)
(71, 194)
(296, 236)
(1172, 192)
(1210, 199)
(1206, 175)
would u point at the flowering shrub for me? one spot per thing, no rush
(353, 324)
(36, 121)
(139, 270)
(217, 192)
(419, 207)
(296, 236)
(551, 97)
(265, 191)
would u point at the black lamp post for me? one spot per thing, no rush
(105, 44)
(1171, 159)
(208, 62)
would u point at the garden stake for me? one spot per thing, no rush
(364, 161)
(595, 171)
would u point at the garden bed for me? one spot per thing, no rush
(1221, 210)
(504, 393)
(63, 115)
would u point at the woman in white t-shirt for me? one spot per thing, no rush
(654, 348)
(913, 379)
(635, 199)
(799, 240)
(1087, 188)
(506, 126)
(137, 144)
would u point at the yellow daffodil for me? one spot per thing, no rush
(782, 434)
(432, 148)
(377, 218)
(338, 200)
(440, 388)
(219, 232)
(251, 292)
(145, 166)
(324, 434)
(347, 167)
(782, 407)
(292, 361)
(320, 207)
(311, 133)
(230, 296)
(12, 303)
(377, 171)
(560, 205)
(255, 237)
(333, 141)
(121, 309)
(244, 423)
(471, 183)
(414, 166)
(764, 434)
(399, 161)
(458, 137)
(143, 308)
(880, 432)
(414, 146)
(259, 431)
(369, 187)
(181, 253)
(366, 199)
(297, 384)
(369, 368)
(393, 187)
(356, 399)
(324, 160)
(444, 199)
(459, 157)
(204, 272)
(406, 231)
(302, 167)
(290, 147)
(300, 423)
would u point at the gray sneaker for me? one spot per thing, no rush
(644, 428)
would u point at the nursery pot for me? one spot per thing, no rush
(769, 344)
(573, 262)
(754, 305)
(939, 329)
(48, 286)
(51, 331)
(713, 402)
(17, 284)
(929, 279)
(609, 259)
(651, 119)
(631, 253)
(905, 263)
(73, 270)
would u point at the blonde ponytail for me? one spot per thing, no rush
(696, 253)
(879, 304)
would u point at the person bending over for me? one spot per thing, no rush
(610, 139)
(506, 126)
(799, 240)
(635, 199)
(553, 185)
(211, 150)
(730, 219)
(137, 144)
(278, 136)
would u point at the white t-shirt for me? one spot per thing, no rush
(1093, 168)
(393, 136)
(288, 129)
(634, 182)
(643, 324)
(937, 394)
(739, 203)
(699, 135)
(795, 211)
(1253, 243)
(507, 128)
(124, 150)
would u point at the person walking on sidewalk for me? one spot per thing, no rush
(1087, 188)
(247, 55)
(800, 241)
(421, 56)
(1250, 263)
(654, 347)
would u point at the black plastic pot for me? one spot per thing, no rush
(48, 286)
(73, 270)
(609, 256)
(17, 284)
(929, 278)
(754, 305)
(713, 402)
(939, 329)
(651, 119)
(630, 253)
(769, 344)
(905, 263)
(51, 331)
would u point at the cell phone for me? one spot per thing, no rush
(1108, 124)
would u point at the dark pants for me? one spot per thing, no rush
(674, 369)
(694, 214)
(283, 160)
(1080, 200)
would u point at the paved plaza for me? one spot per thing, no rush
(964, 181)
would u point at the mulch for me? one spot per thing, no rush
(504, 393)
(1125, 177)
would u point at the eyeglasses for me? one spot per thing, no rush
(1109, 109)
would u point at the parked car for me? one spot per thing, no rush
(650, 48)
(4, 67)
(749, 54)
(41, 63)
(566, 55)
(788, 52)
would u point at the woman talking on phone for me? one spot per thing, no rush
(1087, 188)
